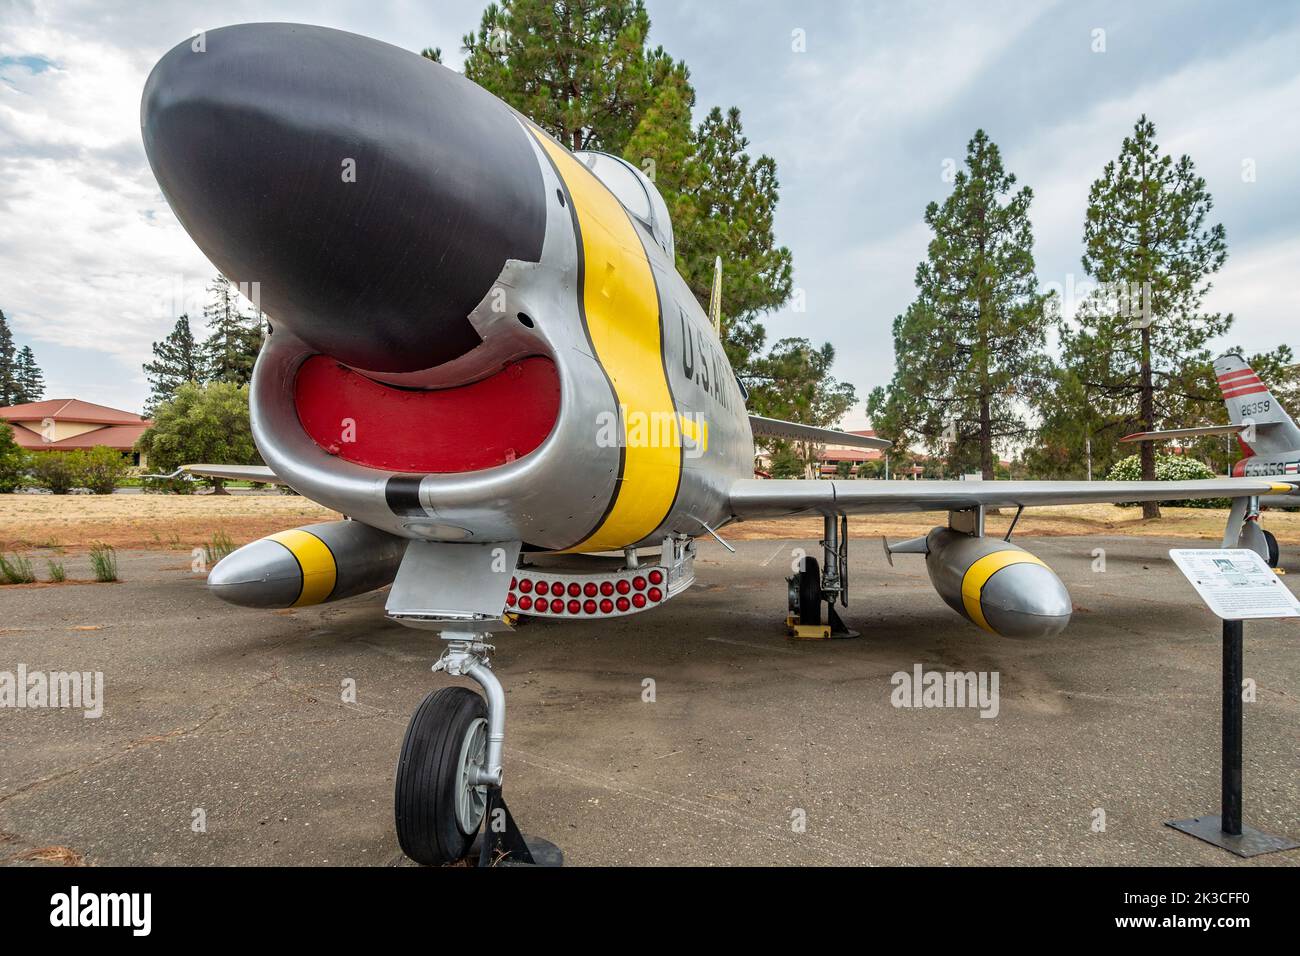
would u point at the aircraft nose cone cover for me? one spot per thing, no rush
(1026, 600)
(251, 141)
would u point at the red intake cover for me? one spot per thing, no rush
(481, 425)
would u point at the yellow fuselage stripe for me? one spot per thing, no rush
(978, 574)
(315, 559)
(621, 305)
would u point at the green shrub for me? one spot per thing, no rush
(57, 573)
(55, 471)
(168, 486)
(1168, 468)
(104, 560)
(16, 570)
(201, 423)
(14, 462)
(100, 469)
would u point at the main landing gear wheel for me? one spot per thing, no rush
(1274, 552)
(806, 593)
(438, 811)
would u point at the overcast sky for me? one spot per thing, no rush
(94, 267)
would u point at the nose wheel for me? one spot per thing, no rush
(438, 805)
(449, 774)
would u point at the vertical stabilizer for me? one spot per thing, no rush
(1249, 400)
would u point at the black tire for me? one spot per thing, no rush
(1274, 552)
(810, 592)
(428, 828)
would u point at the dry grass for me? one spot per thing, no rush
(58, 855)
(149, 522)
(181, 523)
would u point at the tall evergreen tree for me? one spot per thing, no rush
(28, 377)
(177, 359)
(8, 360)
(970, 350)
(578, 68)
(582, 70)
(234, 338)
(1146, 240)
(733, 208)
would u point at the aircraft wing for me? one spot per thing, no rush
(780, 497)
(258, 473)
(775, 428)
(1198, 432)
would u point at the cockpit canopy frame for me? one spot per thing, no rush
(635, 191)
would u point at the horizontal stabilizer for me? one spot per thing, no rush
(258, 473)
(775, 428)
(1199, 432)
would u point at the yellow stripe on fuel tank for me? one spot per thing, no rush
(978, 574)
(315, 560)
(621, 305)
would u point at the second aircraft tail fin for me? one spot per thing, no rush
(1250, 402)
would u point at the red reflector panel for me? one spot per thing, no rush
(481, 425)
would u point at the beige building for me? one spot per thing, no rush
(66, 424)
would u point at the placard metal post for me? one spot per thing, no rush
(1233, 582)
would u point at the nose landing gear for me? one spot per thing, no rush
(449, 775)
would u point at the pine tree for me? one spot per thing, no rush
(733, 206)
(177, 359)
(1146, 241)
(8, 359)
(583, 72)
(28, 377)
(578, 69)
(969, 351)
(234, 338)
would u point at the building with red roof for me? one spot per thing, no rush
(66, 424)
(830, 456)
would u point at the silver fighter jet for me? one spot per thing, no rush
(483, 355)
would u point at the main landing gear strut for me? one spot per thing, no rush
(450, 772)
(811, 586)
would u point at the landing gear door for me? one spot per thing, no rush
(453, 582)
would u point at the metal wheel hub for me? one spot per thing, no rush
(471, 800)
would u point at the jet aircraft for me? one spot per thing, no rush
(481, 352)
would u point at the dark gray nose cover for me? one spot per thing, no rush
(373, 194)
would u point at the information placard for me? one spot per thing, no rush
(1236, 583)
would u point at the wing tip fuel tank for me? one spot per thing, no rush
(308, 565)
(997, 585)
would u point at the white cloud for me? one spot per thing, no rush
(94, 265)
